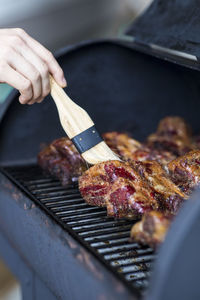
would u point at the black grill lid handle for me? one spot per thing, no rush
(173, 24)
(176, 274)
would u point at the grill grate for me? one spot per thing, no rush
(105, 237)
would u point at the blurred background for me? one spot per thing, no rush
(57, 23)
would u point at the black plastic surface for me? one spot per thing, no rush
(173, 24)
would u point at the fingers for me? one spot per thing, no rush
(17, 81)
(23, 58)
(46, 56)
(33, 67)
(39, 100)
(29, 71)
(39, 65)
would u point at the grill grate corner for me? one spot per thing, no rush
(106, 238)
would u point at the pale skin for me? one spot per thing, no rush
(25, 65)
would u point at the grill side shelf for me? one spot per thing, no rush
(106, 238)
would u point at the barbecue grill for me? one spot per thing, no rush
(57, 245)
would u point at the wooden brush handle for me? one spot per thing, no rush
(73, 118)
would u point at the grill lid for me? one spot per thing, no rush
(173, 24)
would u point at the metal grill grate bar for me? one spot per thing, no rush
(118, 248)
(59, 199)
(87, 221)
(108, 236)
(84, 216)
(112, 242)
(132, 260)
(130, 253)
(99, 231)
(97, 225)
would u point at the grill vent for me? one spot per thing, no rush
(105, 237)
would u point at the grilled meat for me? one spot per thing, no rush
(117, 186)
(130, 189)
(122, 144)
(171, 140)
(146, 153)
(185, 171)
(152, 229)
(62, 160)
(152, 182)
(196, 142)
(173, 135)
(167, 193)
(129, 149)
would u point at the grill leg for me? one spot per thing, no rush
(32, 287)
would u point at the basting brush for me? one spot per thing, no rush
(80, 128)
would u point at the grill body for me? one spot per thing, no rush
(122, 89)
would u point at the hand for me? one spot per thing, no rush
(25, 64)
